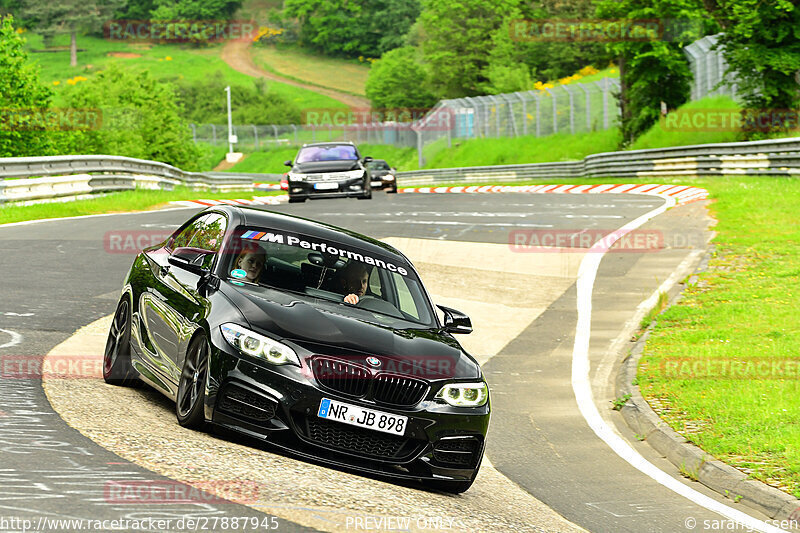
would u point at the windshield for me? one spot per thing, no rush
(378, 165)
(384, 285)
(339, 152)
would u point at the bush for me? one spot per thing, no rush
(398, 80)
(19, 89)
(141, 118)
(206, 102)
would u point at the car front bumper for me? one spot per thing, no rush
(280, 405)
(312, 189)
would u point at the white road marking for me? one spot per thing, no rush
(16, 338)
(583, 390)
(9, 313)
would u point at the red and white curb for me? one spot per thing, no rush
(258, 200)
(683, 194)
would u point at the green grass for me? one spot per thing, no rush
(744, 308)
(293, 62)
(184, 62)
(138, 200)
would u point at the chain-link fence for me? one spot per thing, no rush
(572, 108)
(709, 69)
(261, 137)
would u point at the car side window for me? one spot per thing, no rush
(184, 237)
(210, 233)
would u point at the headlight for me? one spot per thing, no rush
(389, 177)
(353, 174)
(255, 345)
(464, 394)
(296, 177)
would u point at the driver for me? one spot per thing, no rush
(251, 259)
(352, 281)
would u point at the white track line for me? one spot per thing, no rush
(583, 390)
(16, 338)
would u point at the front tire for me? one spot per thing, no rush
(189, 404)
(117, 369)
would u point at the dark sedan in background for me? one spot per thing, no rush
(313, 338)
(383, 176)
(328, 170)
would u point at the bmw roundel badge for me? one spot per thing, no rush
(373, 361)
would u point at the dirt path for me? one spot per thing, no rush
(237, 56)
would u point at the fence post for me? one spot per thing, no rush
(255, 137)
(524, 113)
(213, 135)
(555, 110)
(571, 109)
(295, 134)
(604, 85)
(538, 117)
(194, 133)
(588, 107)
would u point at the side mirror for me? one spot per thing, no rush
(190, 259)
(288, 162)
(367, 159)
(455, 321)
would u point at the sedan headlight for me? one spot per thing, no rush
(255, 345)
(296, 177)
(464, 394)
(389, 177)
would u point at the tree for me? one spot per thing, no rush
(398, 80)
(344, 27)
(193, 9)
(70, 16)
(652, 70)
(761, 44)
(140, 118)
(457, 35)
(21, 90)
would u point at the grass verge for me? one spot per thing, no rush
(120, 202)
(291, 61)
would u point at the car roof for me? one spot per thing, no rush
(252, 216)
(330, 143)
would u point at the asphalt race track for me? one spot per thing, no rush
(60, 276)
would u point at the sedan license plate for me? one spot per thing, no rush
(376, 183)
(361, 417)
(326, 186)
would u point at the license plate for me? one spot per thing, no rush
(376, 183)
(361, 417)
(326, 186)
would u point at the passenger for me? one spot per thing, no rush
(353, 280)
(251, 260)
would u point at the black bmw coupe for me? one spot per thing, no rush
(313, 338)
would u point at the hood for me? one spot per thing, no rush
(326, 166)
(328, 328)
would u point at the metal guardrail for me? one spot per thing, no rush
(68, 175)
(764, 158)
